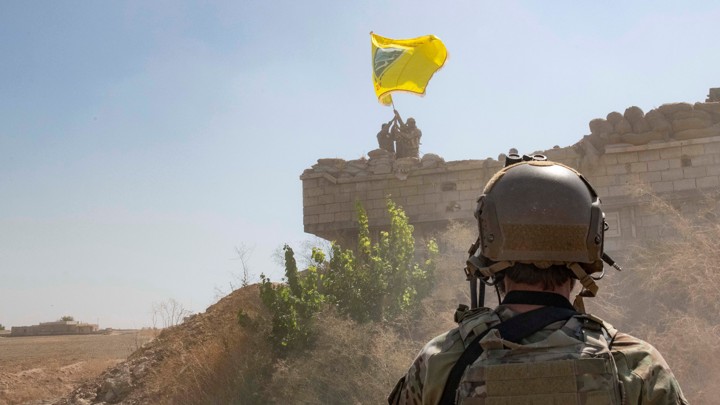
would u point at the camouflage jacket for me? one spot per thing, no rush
(645, 376)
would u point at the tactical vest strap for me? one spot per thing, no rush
(514, 329)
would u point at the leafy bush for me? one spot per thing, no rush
(376, 282)
(383, 280)
(293, 305)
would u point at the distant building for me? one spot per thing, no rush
(55, 328)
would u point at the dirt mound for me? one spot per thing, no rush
(187, 363)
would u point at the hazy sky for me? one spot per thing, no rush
(141, 142)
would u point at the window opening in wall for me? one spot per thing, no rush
(613, 221)
(448, 186)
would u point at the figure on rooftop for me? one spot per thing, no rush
(385, 138)
(407, 136)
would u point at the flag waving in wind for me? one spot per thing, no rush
(405, 64)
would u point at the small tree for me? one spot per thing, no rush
(374, 283)
(67, 318)
(293, 304)
(2, 327)
(383, 280)
(168, 313)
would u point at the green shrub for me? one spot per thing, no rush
(376, 282)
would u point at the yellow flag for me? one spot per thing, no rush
(405, 64)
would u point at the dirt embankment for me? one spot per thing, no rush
(190, 363)
(40, 368)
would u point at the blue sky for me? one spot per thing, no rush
(140, 142)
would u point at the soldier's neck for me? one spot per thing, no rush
(565, 290)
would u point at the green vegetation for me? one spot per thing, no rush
(377, 282)
(67, 318)
(293, 304)
(2, 327)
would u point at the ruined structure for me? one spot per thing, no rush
(673, 151)
(55, 328)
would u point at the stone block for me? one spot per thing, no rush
(376, 213)
(650, 177)
(375, 194)
(313, 191)
(326, 198)
(343, 216)
(469, 195)
(675, 163)
(638, 167)
(597, 170)
(658, 165)
(413, 181)
(672, 174)
(688, 124)
(693, 150)
(343, 206)
(712, 148)
(608, 159)
(428, 189)
(601, 190)
(696, 133)
(616, 191)
(314, 210)
(684, 184)
(703, 160)
(432, 198)
(408, 191)
(415, 200)
(669, 153)
(617, 169)
(649, 155)
(310, 219)
(662, 186)
(326, 217)
(627, 157)
(469, 175)
(708, 182)
(713, 108)
(379, 184)
(713, 170)
(308, 201)
(670, 109)
(466, 185)
(450, 196)
(348, 197)
(623, 179)
(694, 172)
(601, 181)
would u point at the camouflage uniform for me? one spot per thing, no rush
(646, 378)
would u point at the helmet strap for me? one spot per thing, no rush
(589, 287)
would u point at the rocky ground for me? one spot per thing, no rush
(180, 363)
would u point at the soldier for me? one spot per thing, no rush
(407, 136)
(386, 140)
(541, 230)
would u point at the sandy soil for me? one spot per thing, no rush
(40, 369)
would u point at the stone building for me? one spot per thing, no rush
(55, 328)
(672, 151)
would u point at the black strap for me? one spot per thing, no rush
(537, 298)
(514, 329)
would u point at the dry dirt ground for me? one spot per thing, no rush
(40, 369)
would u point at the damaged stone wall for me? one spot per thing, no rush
(673, 151)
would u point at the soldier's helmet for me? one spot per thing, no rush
(543, 213)
(411, 120)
